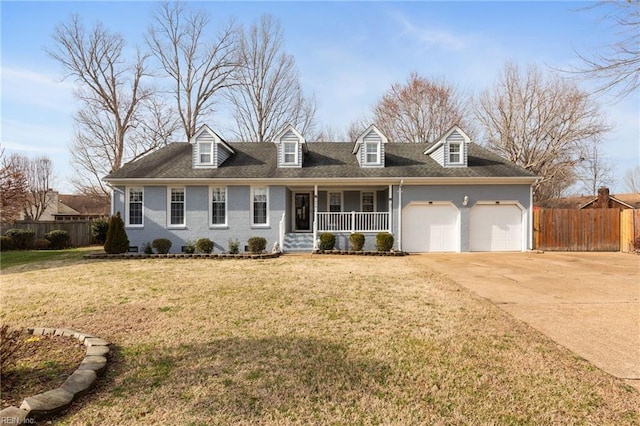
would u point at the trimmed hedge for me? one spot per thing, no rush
(327, 241)
(384, 241)
(257, 244)
(162, 245)
(356, 241)
(204, 245)
(99, 229)
(58, 239)
(6, 243)
(22, 238)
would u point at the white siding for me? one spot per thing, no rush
(455, 137)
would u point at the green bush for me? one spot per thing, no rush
(257, 244)
(162, 245)
(6, 243)
(99, 229)
(116, 241)
(356, 241)
(22, 238)
(189, 248)
(204, 245)
(234, 247)
(384, 241)
(327, 241)
(58, 238)
(42, 244)
(147, 248)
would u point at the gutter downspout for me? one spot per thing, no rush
(400, 215)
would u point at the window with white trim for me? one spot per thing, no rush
(368, 201)
(177, 206)
(205, 152)
(135, 198)
(335, 202)
(218, 206)
(372, 152)
(290, 153)
(455, 156)
(259, 205)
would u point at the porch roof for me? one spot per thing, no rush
(324, 160)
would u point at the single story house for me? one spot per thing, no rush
(450, 195)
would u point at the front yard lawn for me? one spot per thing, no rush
(306, 340)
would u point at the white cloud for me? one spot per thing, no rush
(428, 37)
(26, 87)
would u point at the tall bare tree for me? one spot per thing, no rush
(595, 171)
(541, 123)
(631, 179)
(39, 172)
(110, 91)
(269, 94)
(419, 110)
(13, 188)
(617, 67)
(198, 67)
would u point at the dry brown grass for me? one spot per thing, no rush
(306, 340)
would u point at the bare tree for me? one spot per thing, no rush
(109, 87)
(269, 95)
(595, 171)
(419, 110)
(39, 173)
(329, 133)
(13, 188)
(198, 68)
(617, 67)
(631, 179)
(541, 123)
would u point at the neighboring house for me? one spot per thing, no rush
(72, 207)
(602, 200)
(449, 195)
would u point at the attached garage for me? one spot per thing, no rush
(496, 227)
(431, 227)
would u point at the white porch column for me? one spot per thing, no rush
(315, 217)
(390, 210)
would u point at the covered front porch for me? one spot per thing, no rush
(341, 210)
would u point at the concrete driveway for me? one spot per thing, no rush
(587, 302)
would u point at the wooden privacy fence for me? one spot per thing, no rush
(585, 230)
(79, 230)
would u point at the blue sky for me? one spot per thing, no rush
(348, 54)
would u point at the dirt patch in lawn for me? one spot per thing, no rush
(309, 340)
(42, 363)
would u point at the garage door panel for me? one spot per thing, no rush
(430, 228)
(496, 228)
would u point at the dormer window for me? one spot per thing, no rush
(290, 152)
(206, 152)
(454, 153)
(372, 152)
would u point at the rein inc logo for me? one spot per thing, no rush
(13, 418)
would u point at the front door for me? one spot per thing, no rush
(302, 212)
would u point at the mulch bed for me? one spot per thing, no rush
(42, 363)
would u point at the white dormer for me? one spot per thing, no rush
(291, 147)
(369, 147)
(451, 149)
(209, 149)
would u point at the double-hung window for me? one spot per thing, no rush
(205, 152)
(371, 152)
(454, 153)
(335, 202)
(259, 205)
(290, 152)
(368, 202)
(135, 199)
(177, 207)
(218, 206)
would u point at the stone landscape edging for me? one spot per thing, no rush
(46, 403)
(182, 256)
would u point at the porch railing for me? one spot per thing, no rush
(352, 221)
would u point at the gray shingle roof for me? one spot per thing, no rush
(325, 160)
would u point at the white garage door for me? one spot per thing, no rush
(430, 228)
(495, 227)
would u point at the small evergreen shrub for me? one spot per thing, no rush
(22, 238)
(327, 241)
(189, 248)
(162, 245)
(42, 244)
(116, 241)
(384, 241)
(147, 248)
(6, 243)
(204, 245)
(257, 244)
(58, 238)
(234, 247)
(99, 229)
(356, 241)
